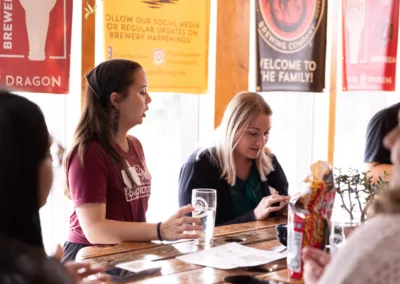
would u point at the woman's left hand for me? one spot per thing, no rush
(265, 207)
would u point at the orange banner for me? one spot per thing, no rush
(168, 38)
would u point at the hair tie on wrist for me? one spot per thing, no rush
(159, 231)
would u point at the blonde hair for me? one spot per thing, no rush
(241, 110)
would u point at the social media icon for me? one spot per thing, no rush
(158, 56)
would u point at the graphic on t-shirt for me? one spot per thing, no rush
(141, 188)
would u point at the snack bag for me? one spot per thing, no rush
(309, 215)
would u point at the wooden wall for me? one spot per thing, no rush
(88, 44)
(232, 61)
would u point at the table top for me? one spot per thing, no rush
(259, 234)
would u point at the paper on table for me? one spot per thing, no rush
(230, 256)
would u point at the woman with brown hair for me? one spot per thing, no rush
(239, 165)
(107, 177)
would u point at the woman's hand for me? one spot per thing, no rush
(174, 228)
(82, 272)
(86, 272)
(264, 208)
(315, 261)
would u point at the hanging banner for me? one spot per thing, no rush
(370, 33)
(291, 45)
(168, 38)
(35, 45)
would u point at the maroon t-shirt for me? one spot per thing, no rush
(99, 180)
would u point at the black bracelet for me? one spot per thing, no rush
(159, 231)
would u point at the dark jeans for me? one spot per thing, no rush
(71, 250)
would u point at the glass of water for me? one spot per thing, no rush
(204, 201)
(339, 232)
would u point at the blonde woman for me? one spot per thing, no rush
(238, 165)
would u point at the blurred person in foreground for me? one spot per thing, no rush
(26, 176)
(371, 252)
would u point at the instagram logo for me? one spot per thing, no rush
(158, 56)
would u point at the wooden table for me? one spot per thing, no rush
(260, 235)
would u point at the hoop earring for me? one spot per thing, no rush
(116, 120)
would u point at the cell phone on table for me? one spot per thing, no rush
(120, 275)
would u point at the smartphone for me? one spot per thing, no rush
(120, 275)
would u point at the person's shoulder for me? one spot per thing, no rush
(393, 108)
(383, 223)
(135, 142)
(389, 113)
(94, 149)
(206, 155)
(91, 148)
(133, 139)
(201, 157)
(94, 144)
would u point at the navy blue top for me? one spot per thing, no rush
(203, 173)
(381, 124)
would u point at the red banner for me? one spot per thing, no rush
(35, 45)
(370, 34)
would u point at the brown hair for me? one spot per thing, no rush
(96, 123)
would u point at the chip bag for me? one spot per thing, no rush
(309, 215)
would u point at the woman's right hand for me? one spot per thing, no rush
(264, 208)
(82, 272)
(177, 225)
(87, 273)
(315, 262)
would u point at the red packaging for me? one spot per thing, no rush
(309, 215)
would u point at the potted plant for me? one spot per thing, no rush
(358, 189)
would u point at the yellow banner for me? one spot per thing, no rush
(169, 38)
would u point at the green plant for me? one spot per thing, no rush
(358, 189)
